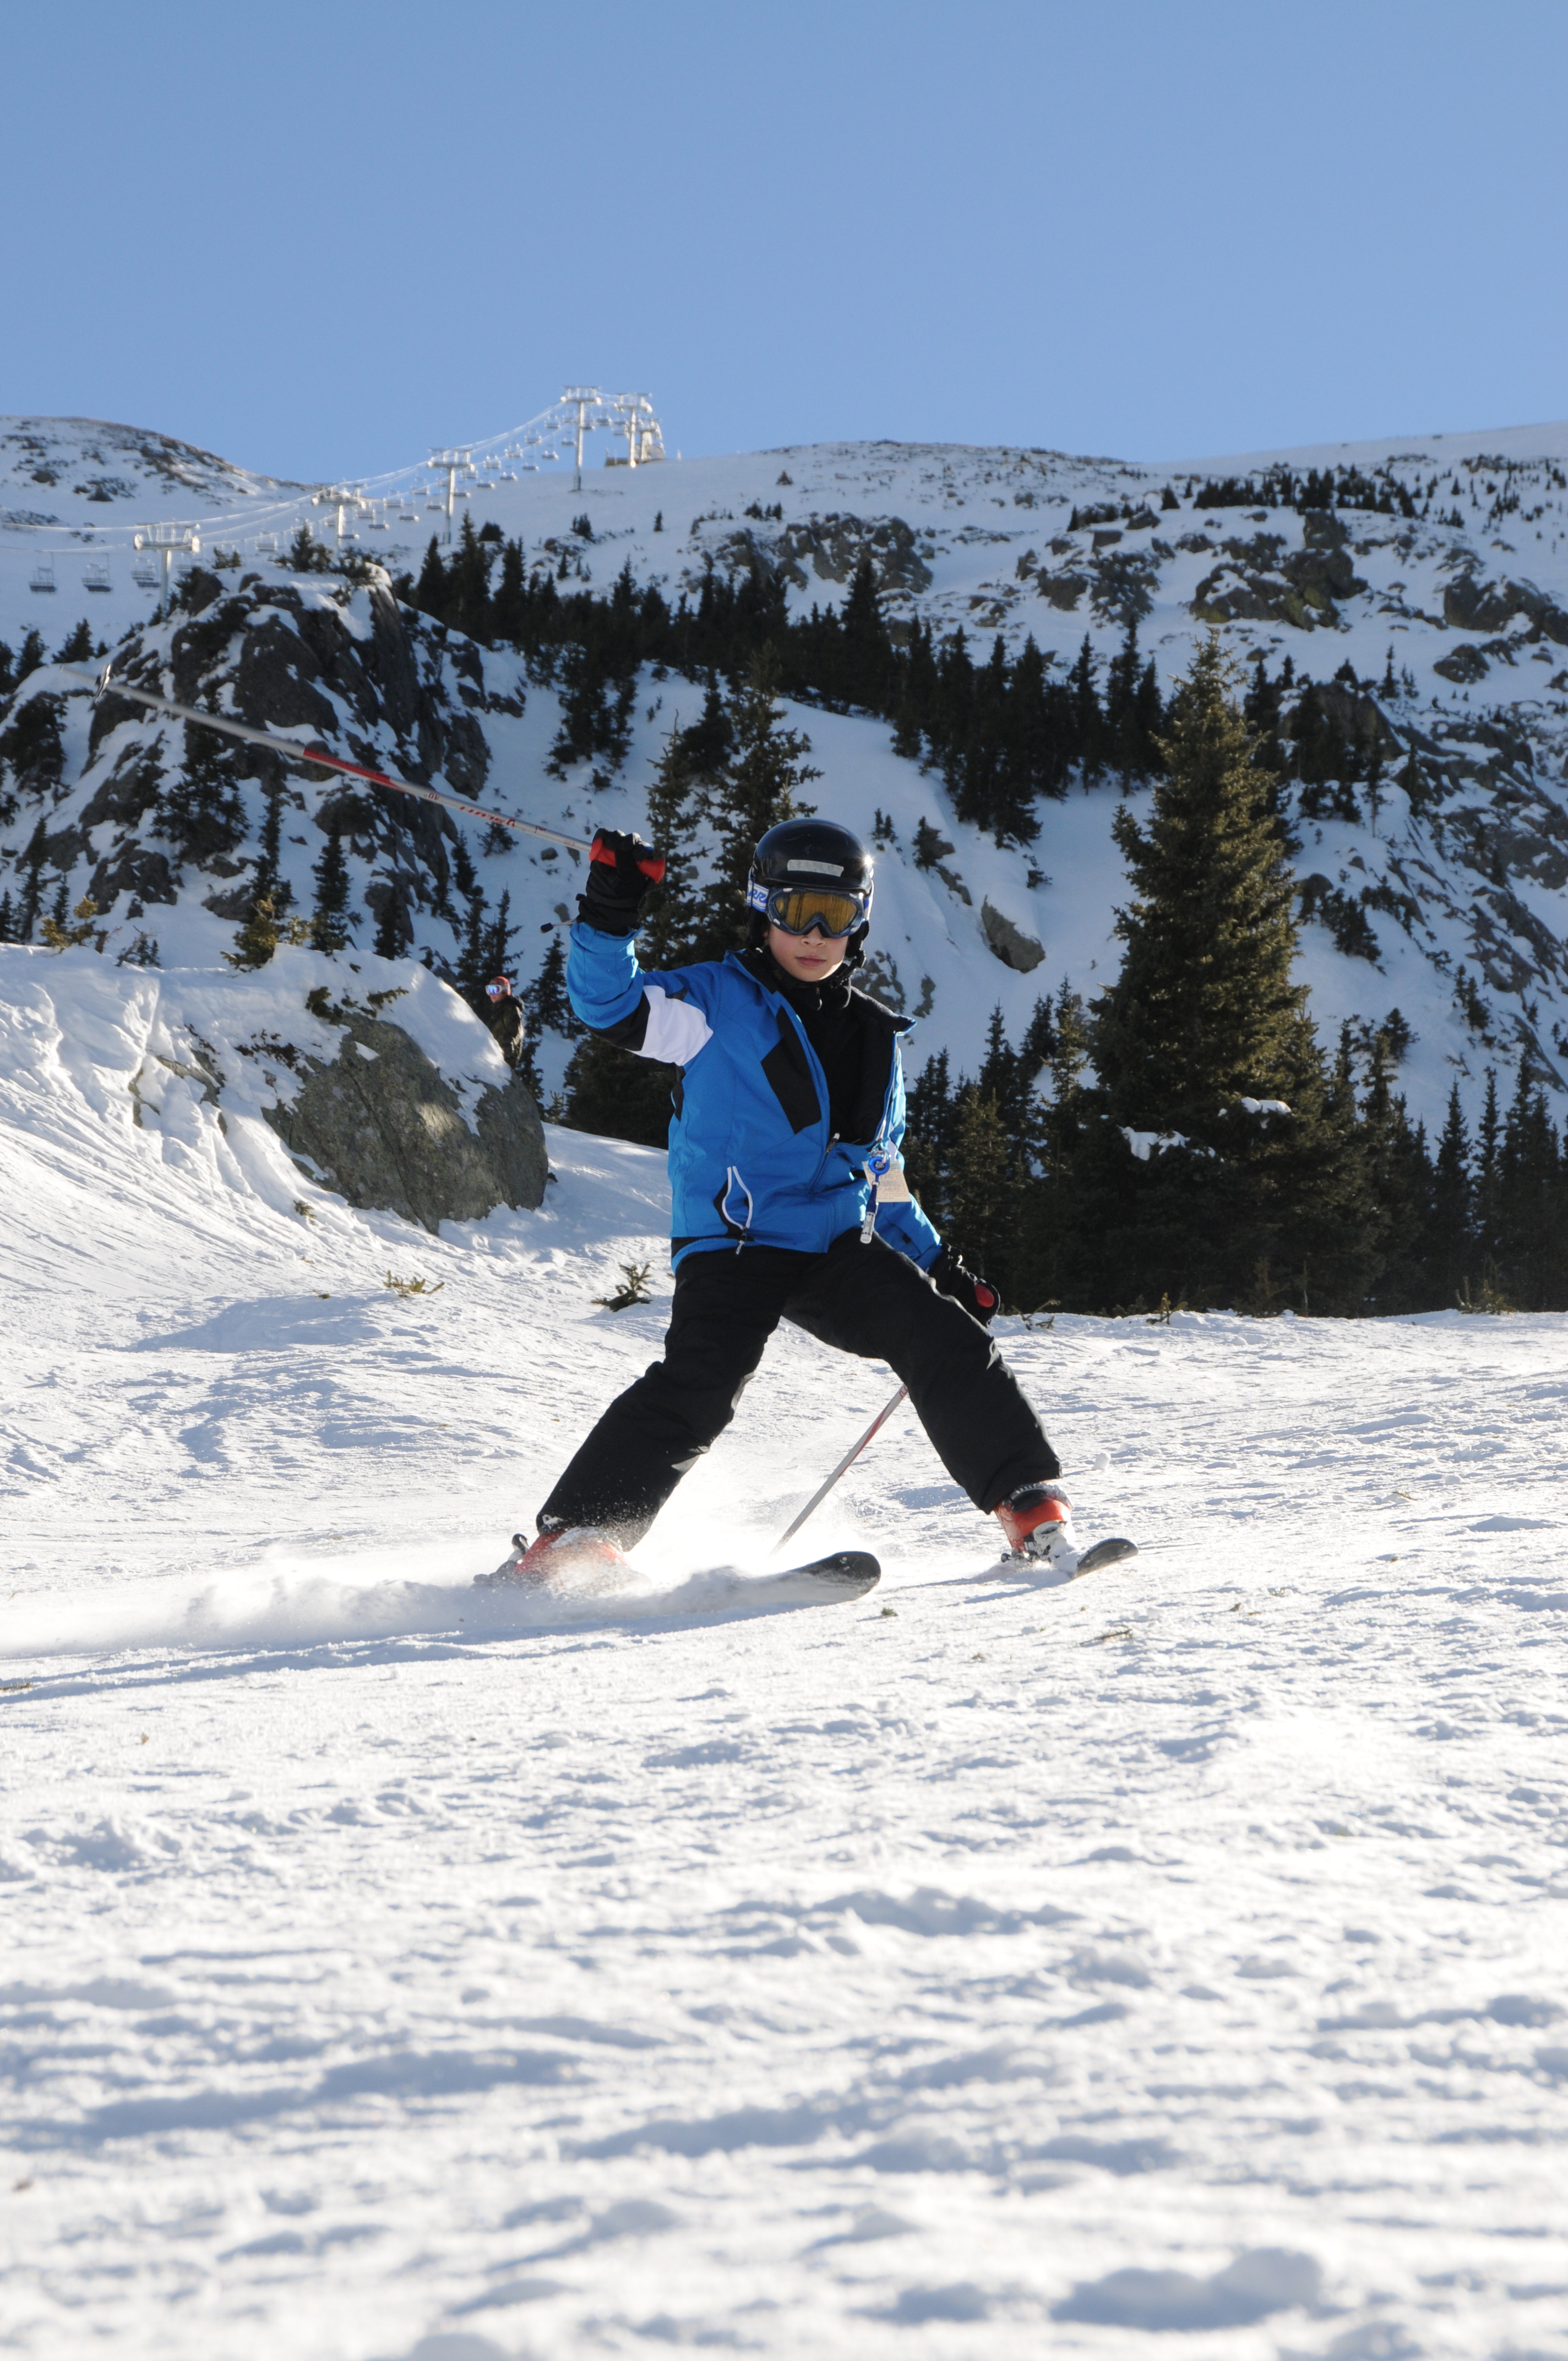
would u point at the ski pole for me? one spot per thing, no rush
(848, 1461)
(318, 754)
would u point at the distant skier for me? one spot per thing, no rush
(789, 1203)
(497, 1007)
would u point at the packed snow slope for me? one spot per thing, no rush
(1459, 583)
(401, 1972)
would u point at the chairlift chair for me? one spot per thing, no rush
(43, 575)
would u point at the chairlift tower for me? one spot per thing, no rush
(582, 399)
(168, 542)
(632, 415)
(455, 463)
(343, 497)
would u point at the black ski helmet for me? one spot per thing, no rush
(810, 852)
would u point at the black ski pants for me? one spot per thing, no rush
(866, 1300)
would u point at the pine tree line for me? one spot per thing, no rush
(1186, 1140)
(1003, 732)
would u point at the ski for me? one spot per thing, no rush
(821, 1582)
(847, 1574)
(1067, 1568)
(1106, 1552)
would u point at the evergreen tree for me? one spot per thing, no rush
(468, 583)
(929, 1118)
(471, 971)
(270, 883)
(1532, 1251)
(757, 789)
(867, 651)
(430, 592)
(983, 1182)
(31, 744)
(1451, 1240)
(393, 932)
(1088, 717)
(1204, 1017)
(7, 670)
(508, 611)
(203, 813)
(329, 926)
(1400, 1177)
(680, 921)
(1204, 1011)
(1488, 1162)
(77, 648)
(31, 657)
(1122, 733)
(496, 950)
(33, 860)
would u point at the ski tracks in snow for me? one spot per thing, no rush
(1027, 1968)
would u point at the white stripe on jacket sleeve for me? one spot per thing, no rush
(677, 1029)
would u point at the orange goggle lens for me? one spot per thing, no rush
(798, 908)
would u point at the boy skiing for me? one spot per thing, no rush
(788, 1202)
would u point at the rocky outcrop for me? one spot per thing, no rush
(1022, 952)
(381, 1126)
(1464, 664)
(1260, 581)
(834, 545)
(1472, 604)
(292, 654)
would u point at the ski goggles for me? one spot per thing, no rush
(797, 908)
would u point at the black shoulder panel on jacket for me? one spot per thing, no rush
(789, 1078)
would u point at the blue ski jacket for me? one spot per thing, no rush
(752, 1161)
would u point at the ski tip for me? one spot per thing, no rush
(1106, 1552)
(847, 1570)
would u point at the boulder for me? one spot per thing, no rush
(1012, 947)
(1463, 664)
(1473, 605)
(382, 1127)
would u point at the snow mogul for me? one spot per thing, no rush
(788, 1203)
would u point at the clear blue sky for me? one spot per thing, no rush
(318, 238)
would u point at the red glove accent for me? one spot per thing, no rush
(613, 848)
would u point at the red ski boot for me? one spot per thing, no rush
(568, 1554)
(1038, 1521)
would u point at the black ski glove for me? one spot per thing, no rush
(621, 870)
(952, 1276)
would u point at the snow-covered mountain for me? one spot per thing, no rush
(1442, 586)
